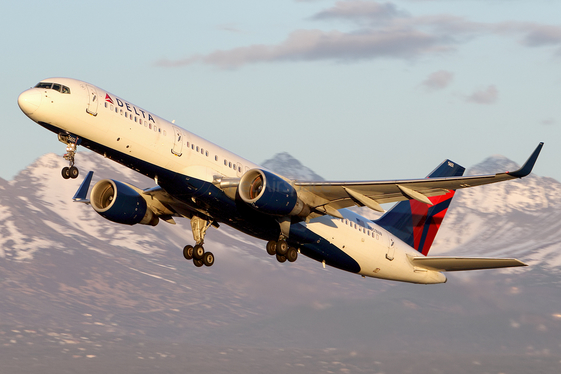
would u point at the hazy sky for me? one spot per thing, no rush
(354, 89)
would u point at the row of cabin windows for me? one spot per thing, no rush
(360, 228)
(232, 165)
(205, 153)
(158, 129)
(139, 120)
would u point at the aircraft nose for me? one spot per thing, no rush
(29, 101)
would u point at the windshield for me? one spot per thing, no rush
(53, 86)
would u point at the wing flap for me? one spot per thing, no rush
(464, 263)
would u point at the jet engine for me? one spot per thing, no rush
(270, 194)
(120, 203)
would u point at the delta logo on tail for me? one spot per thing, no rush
(417, 223)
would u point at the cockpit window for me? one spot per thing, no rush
(44, 85)
(54, 86)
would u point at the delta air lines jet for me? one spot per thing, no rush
(209, 185)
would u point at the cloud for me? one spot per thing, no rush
(438, 80)
(229, 27)
(356, 10)
(549, 122)
(382, 31)
(533, 34)
(490, 95)
(309, 45)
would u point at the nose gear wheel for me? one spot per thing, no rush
(71, 142)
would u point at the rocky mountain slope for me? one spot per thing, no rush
(66, 273)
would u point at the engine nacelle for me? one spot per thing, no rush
(270, 194)
(119, 203)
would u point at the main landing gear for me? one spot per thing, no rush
(282, 250)
(197, 253)
(70, 171)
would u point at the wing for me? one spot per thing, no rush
(327, 197)
(461, 263)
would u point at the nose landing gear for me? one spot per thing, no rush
(71, 142)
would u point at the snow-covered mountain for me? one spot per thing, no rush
(62, 266)
(519, 218)
(284, 164)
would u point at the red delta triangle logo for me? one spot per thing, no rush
(108, 99)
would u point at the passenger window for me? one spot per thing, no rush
(187, 144)
(229, 164)
(215, 158)
(197, 148)
(225, 163)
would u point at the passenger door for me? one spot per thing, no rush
(177, 142)
(93, 101)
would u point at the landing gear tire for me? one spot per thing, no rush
(208, 259)
(291, 254)
(198, 252)
(280, 258)
(73, 172)
(198, 263)
(282, 247)
(272, 247)
(65, 172)
(188, 252)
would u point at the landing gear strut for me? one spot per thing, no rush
(197, 253)
(282, 250)
(71, 142)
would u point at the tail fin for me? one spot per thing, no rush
(417, 223)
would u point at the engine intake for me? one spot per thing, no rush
(269, 193)
(119, 203)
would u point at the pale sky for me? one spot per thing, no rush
(356, 90)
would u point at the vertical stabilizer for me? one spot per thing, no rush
(417, 223)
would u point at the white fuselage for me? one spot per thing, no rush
(117, 125)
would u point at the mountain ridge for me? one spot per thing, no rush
(65, 268)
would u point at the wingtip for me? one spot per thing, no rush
(529, 164)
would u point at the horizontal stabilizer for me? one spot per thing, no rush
(463, 263)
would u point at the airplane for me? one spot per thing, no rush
(209, 185)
